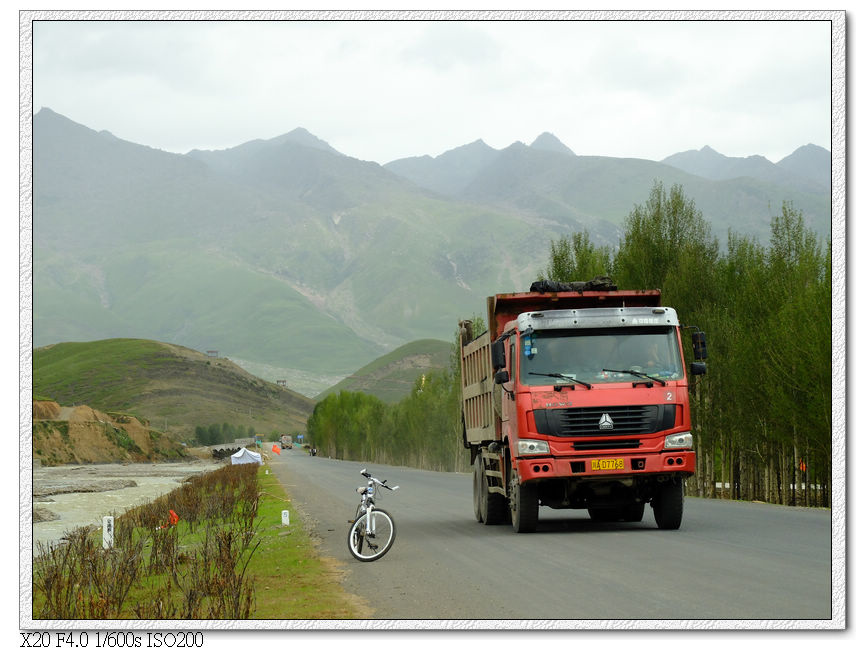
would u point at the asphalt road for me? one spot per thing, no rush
(729, 560)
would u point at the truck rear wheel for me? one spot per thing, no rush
(477, 486)
(524, 504)
(668, 504)
(489, 507)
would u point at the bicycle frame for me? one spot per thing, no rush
(367, 504)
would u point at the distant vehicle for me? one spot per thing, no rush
(286, 442)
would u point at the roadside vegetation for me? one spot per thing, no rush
(226, 555)
(762, 415)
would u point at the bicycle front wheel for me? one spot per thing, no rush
(370, 542)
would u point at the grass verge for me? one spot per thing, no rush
(291, 580)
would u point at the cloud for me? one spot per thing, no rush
(445, 46)
(380, 90)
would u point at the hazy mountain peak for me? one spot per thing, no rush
(516, 146)
(305, 138)
(449, 172)
(810, 161)
(809, 150)
(546, 141)
(804, 164)
(46, 116)
(477, 144)
(478, 147)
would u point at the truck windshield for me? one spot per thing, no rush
(583, 355)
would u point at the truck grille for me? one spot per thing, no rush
(605, 421)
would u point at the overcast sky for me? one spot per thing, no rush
(386, 90)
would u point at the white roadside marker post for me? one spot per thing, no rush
(108, 532)
(285, 517)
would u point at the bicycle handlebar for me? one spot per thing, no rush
(370, 477)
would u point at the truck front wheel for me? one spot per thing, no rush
(524, 504)
(668, 504)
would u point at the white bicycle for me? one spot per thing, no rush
(373, 530)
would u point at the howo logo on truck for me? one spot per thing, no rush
(606, 422)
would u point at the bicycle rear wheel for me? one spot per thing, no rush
(367, 547)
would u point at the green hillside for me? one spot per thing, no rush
(173, 387)
(286, 254)
(172, 292)
(392, 376)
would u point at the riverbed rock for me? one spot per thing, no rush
(68, 487)
(44, 514)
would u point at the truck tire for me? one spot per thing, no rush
(668, 504)
(489, 506)
(477, 486)
(524, 504)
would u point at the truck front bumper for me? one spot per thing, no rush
(682, 462)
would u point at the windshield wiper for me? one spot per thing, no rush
(561, 376)
(638, 374)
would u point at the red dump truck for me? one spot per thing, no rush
(578, 399)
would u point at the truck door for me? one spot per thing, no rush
(508, 402)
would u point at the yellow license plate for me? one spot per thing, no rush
(608, 463)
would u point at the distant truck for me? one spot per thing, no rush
(286, 442)
(578, 399)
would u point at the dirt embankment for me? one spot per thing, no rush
(84, 435)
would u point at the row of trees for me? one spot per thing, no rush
(762, 415)
(422, 430)
(217, 434)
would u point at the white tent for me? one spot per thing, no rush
(245, 456)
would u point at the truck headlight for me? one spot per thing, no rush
(679, 440)
(528, 447)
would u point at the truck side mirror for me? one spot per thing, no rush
(502, 377)
(698, 368)
(497, 351)
(698, 340)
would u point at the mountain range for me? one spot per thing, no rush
(301, 263)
